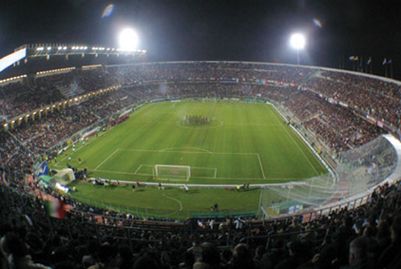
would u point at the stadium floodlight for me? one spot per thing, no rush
(297, 42)
(128, 40)
(49, 48)
(39, 49)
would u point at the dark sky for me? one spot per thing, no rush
(215, 29)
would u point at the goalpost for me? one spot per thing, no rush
(177, 172)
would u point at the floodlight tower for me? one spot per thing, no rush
(128, 40)
(297, 42)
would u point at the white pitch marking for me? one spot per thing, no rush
(296, 143)
(176, 200)
(200, 149)
(219, 178)
(139, 168)
(100, 164)
(190, 152)
(261, 167)
(299, 148)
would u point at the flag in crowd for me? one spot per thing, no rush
(55, 208)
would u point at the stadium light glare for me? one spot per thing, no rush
(49, 48)
(128, 39)
(297, 42)
(39, 49)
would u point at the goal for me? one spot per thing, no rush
(176, 172)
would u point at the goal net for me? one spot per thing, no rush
(176, 172)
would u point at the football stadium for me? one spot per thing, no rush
(113, 158)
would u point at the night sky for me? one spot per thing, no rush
(215, 29)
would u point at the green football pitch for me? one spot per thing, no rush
(241, 143)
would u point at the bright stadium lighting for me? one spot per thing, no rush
(128, 40)
(297, 42)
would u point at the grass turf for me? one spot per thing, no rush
(244, 143)
(170, 202)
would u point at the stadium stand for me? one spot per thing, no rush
(343, 110)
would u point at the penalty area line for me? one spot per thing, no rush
(100, 164)
(139, 168)
(261, 166)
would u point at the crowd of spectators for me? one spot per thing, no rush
(208, 72)
(379, 99)
(21, 97)
(368, 236)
